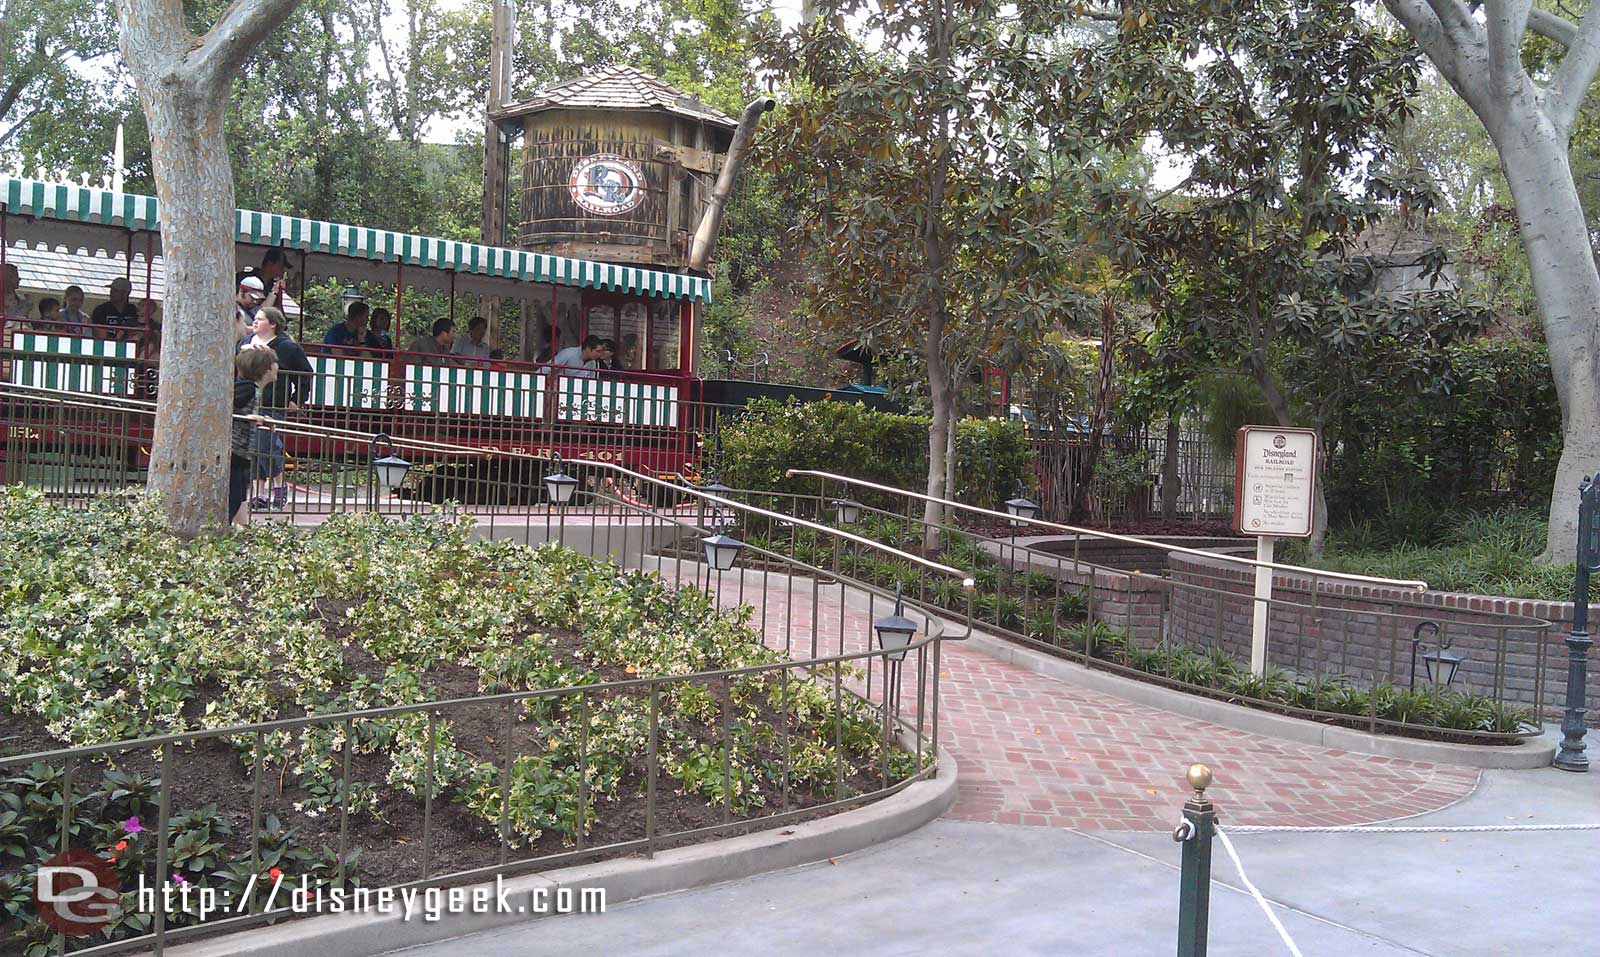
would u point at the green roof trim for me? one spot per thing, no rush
(89, 204)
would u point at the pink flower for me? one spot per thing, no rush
(179, 879)
(132, 825)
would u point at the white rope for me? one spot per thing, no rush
(1265, 907)
(1414, 829)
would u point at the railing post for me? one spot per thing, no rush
(1573, 754)
(1194, 881)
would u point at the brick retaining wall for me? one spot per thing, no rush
(1365, 631)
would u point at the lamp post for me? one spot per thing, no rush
(848, 510)
(722, 551)
(558, 489)
(1021, 508)
(1440, 662)
(1573, 755)
(349, 297)
(713, 487)
(894, 636)
(383, 473)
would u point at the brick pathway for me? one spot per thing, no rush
(1034, 751)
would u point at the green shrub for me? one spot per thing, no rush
(769, 437)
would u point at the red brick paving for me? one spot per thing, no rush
(1034, 751)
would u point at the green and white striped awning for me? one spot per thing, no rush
(91, 205)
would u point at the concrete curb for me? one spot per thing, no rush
(368, 934)
(1531, 753)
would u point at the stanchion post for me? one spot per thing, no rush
(1194, 881)
(1573, 755)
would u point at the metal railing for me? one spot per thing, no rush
(863, 686)
(1342, 648)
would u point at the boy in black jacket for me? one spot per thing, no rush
(254, 370)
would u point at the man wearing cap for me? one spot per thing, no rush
(246, 301)
(117, 310)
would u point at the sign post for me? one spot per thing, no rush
(1274, 493)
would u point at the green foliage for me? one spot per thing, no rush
(275, 622)
(1481, 553)
(1487, 431)
(770, 437)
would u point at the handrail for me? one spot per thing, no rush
(313, 429)
(1412, 584)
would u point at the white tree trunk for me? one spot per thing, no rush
(942, 394)
(183, 83)
(1556, 238)
(194, 184)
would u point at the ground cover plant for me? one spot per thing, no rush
(112, 629)
(1480, 553)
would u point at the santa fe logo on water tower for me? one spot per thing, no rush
(607, 184)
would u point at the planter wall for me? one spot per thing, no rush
(1366, 631)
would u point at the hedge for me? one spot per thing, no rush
(768, 437)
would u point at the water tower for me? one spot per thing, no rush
(617, 167)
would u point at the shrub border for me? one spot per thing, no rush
(625, 879)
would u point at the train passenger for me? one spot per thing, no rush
(49, 314)
(583, 359)
(475, 344)
(254, 371)
(72, 314)
(246, 300)
(117, 312)
(13, 304)
(352, 331)
(286, 394)
(438, 344)
(378, 333)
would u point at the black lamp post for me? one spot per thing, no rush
(848, 510)
(1573, 755)
(1021, 508)
(894, 636)
(714, 487)
(559, 488)
(1440, 662)
(722, 551)
(383, 473)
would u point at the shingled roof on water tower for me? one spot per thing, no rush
(617, 88)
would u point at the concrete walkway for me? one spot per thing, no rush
(959, 887)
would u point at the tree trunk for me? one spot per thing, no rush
(1170, 479)
(1567, 284)
(943, 395)
(194, 184)
(183, 83)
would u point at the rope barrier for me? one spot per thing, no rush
(1414, 829)
(1266, 908)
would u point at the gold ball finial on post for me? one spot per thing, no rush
(1199, 779)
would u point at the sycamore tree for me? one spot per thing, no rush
(1482, 49)
(183, 81)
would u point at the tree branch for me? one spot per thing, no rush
(1452, 40)
(1564, 97)
(1506, 23)
(1552, 26)
(236, 34)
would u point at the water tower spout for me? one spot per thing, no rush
(705, 236)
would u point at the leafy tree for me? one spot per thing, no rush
(1529, 99)
(1284, 124)
(41, 43)
(933, 173)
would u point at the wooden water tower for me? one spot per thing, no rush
(619, 167)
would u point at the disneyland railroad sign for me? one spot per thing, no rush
(1274, 481)
(607, 184)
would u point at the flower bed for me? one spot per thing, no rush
(111, 629)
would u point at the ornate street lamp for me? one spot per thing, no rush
(1021, 508)
(1573, 755)
(848, 510)
(559, 486)
(722, 550)
(894, 636)
(384, 473)
(1440, 662)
